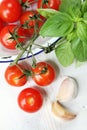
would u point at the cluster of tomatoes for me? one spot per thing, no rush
(43, 74)
(21, 22)
(17, 25)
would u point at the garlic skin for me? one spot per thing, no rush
(60, 111)
(68, 90)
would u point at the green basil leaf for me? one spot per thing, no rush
(85, 17)
(82, 31)
(84, 7)
(60, 24)
(47, 12)
(65, 54)
(72, 35)
(71, 7)
(79, 49)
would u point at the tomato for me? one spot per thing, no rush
(28, 17)
(29, 20)
(13, 76)
(54, 4)
(5, 35)
(10, 10)
(43, 74)
(30, 100)
(1, 24)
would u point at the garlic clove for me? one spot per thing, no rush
(60, 111)
(68, 90)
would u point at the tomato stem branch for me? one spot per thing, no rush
(24, 49)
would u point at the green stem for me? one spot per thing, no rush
(23, 51)
(20, 68)
(34, 60)
(51, 47)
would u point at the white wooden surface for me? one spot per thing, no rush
(13, 118)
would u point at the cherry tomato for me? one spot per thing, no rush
(28, 17)
(44, 74)
(5, 36)
(1, 24)
(30, 100)
(29, 20)
(54, 4)
(10, 10)
(14, 76)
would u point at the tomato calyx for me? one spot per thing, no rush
(26, 4)
(45, 2)
(34, 17)
(44, 70)
(14, 36)
(40, 69)
(26, 72)
(25, 25)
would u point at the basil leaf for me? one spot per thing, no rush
(47, 12)
(79, 49)
(85, 17)
(82, 31)
(84, 6)
(60, 24)
(71, 7)
(65, 54)
(72, 35)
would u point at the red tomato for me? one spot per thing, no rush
(10, 10)
(44, 74)
(30, 100)
(54, 4)
(5, 35)
(1, 24)
(13, 76)
(30, 19)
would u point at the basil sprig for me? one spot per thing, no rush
(70, 23)
(60, 24)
